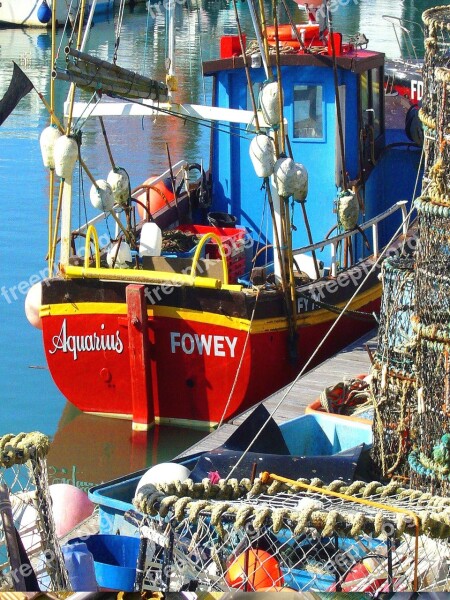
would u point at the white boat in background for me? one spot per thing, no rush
(38, 13)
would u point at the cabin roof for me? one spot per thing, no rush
(356, 61)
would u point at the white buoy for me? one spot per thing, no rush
(301, 183)
(262, 155)
(120, 184)
(163, 473)
(123, 256)
(65, 156)
(33, 303)
(269, 102)
(101, 195)
(285, 177)
(47, 141)
(151, 240)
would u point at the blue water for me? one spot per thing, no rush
(89, 449)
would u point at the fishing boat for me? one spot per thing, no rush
(403, 75)
(38, 13)
(218, 285)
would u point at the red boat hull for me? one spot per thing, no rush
(204, 366)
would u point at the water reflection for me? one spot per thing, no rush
(87, 450)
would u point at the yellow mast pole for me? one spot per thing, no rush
(52, 121)
(64, 184)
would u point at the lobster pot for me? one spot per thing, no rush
(432, 278)
(394, 419)
(437, 44)
(395, 335)
(219, 538)
(393, 373)
(433, 407)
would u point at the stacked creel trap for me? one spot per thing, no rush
(393, 383)
(437, 43)
(302, 536)
(430, 458)
(30, 554)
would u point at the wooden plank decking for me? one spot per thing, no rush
(349, 362)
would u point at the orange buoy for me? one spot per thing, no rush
(307, 32)
(155, 197)
(253, 570)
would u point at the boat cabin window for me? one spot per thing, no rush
(308, 113)
(371, 100)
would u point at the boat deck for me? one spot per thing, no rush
(292, 400)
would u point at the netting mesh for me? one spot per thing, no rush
(364, 538)
(24, 487)
(393, 381)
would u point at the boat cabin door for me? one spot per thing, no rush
(371, 117)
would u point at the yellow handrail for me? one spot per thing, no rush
(91, 231)
(199, 248)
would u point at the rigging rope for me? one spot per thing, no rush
(119, 29)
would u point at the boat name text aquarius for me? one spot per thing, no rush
(93, 342)
(217, 345)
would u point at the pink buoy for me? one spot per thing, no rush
(70, 507)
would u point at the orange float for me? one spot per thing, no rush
(254, 570)
(307, 32)
(155, 197)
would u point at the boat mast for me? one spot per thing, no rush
(51, 192)
(66, 184)
(171, 79)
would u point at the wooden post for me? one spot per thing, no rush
(140, 368)
(11, 541)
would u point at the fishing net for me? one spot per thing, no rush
(393, 372)
(437, 54)
(254, 536)
(35, 552)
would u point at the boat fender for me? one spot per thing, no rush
(122, 256)
(44, 13)
(65, 155)
(269, 103)
(163, 473)
(101, 195)
(285, 177)
(262, 155)
(348, 210)
(151, 240)
(47, 141)
(33, 303)
(301, 189)
(120, 184)
(413, 126)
